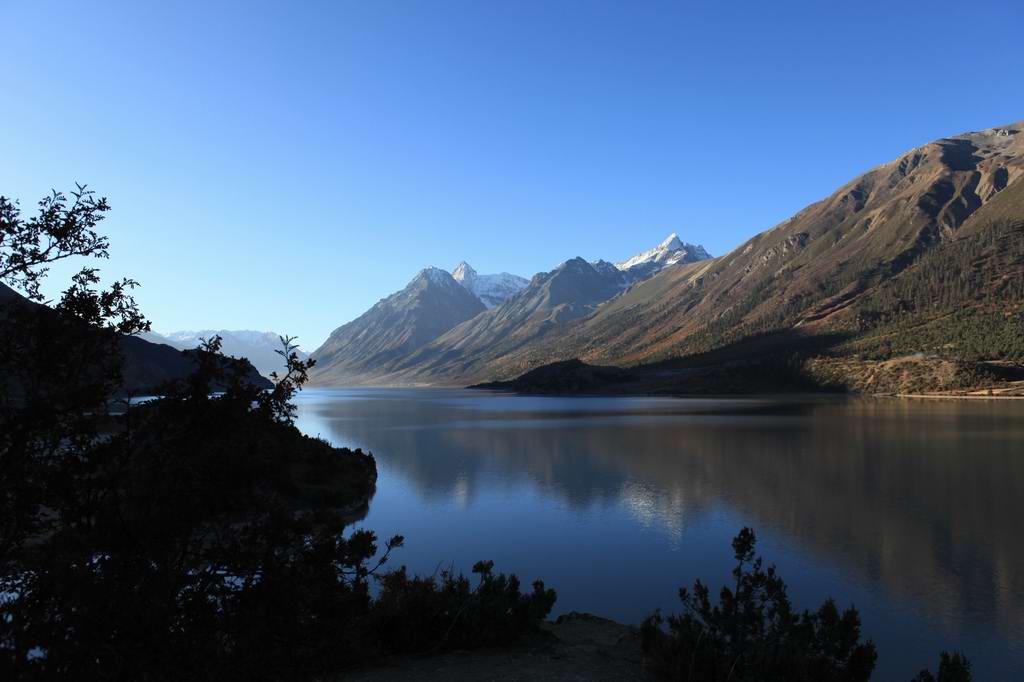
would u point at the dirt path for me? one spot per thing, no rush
(575, 647)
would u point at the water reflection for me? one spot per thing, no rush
(918, 501)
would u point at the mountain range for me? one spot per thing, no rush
(260, 348)
(921, 257)
(431, 332)
(369, 346)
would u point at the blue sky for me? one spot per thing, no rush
(285, 165)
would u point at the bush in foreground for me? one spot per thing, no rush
(952, 668)
(420, 614)
(753, 633)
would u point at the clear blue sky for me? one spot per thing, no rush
(284, 165)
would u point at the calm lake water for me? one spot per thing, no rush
(910, 510)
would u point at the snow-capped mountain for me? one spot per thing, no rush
(492, 290)
(669, 252)
(445, 325)
(604, 267)
(375, 343)
(258, 347)
(571, 291)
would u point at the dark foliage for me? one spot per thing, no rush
(410, 613)
(753, 632)
(952, 668)
(62, 229)
(196, 536)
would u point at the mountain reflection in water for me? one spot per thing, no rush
(909, 509)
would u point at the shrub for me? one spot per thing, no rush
(952, 668)
(421, 614)
(753, 633)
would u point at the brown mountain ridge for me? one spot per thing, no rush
(922, 256)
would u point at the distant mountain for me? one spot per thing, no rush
(672, 251)
(147, 365)
(260, 348)
(518, 313)
(492, 290)
(369, 346)
(160, 339)
(572, 290)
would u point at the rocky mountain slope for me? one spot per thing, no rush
(572, 290)
(371, 345)
(492, 290)
(921, 255)
(924, 254)
(517, 313)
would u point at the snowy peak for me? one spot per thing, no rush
(492, 290)
(464, 273)
(669, 252)
(671, 243)
(604, 267)
(396, 326)
(431, 275)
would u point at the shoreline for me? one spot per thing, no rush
(768, 395)
(942, 396)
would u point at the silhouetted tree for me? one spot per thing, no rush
(753, 632)
(61, 230)
(199, 535)
(952, 668)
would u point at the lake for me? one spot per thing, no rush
(908, 509)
